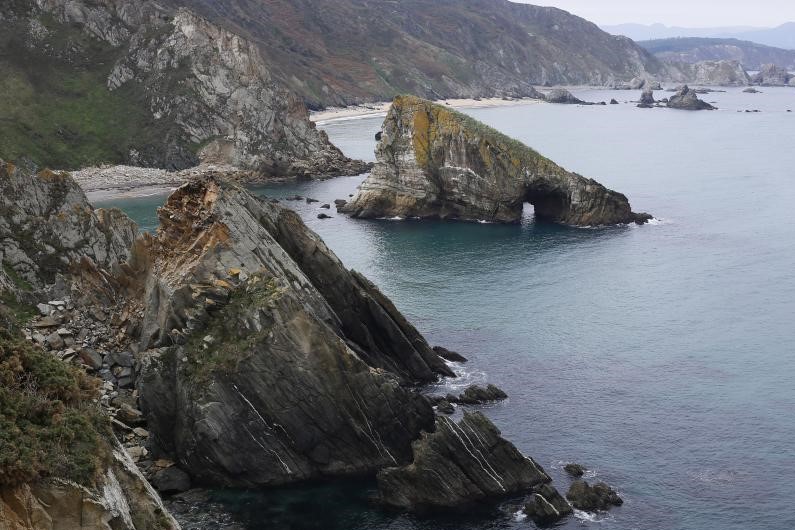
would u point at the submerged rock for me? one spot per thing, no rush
(594, 498)
(686, 99)
(448, 355)
(434, 162)
(458, 464)
(575, 470)
(546, 506)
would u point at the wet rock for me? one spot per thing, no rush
(310, 201)
(435, 163)
(325, 206)
(458, 464)
(594, 498)
(575, 470)
(477, 395)
(546, 506)
(339, 203)
(323, 216)
(751, 90)
(449, 355)
(445, 407)
(171, 480)
(686, 99)
(613, 102)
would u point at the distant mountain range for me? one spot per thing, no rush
(694, 49)
(782, 36)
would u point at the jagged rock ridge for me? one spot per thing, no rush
(178, 88)
(433, 162)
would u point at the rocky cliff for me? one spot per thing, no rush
(433, 162)
(143, 84)
(353, 51)
(713, 73)
(695, 50)
(270, 347)
(772, 75)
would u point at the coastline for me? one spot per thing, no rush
(374, 110)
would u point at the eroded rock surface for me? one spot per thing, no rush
(276, 364)
(772, 75)
(459, 463)
(433, 162)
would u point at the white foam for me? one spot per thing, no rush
(519, 516)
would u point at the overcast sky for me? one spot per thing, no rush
(686, 13)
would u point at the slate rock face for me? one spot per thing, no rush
(433, 162)
(546, 506)
(459, 463)
(275, 363)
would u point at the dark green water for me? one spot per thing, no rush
(662, 357)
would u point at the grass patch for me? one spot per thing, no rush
(230, 344)
(49, 424)
(56, 109)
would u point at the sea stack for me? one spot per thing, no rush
(436, 163)
(687, 99)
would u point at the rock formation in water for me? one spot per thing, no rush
(433, 162)
(546, 506)
(275, 363)
(151, 86)
(647, 99)
(711, 73)
(457, 464)
(687, 99)
(563, 96)
(772, 75)
(598, 497)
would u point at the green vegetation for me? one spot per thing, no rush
(49, 424)
(55, 107)
(230, 345)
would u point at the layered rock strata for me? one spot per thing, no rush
(433, 162)
(457, 464)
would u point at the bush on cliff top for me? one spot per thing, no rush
(49, 425)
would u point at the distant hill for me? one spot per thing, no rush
(782, 36)
(695, 49)
(353, 51)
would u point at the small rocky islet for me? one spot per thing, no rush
(435, 163)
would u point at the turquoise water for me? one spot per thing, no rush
(662, 357)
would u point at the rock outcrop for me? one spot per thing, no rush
(433, 162)
(562, 96)
(598, 497)
(48, 230)
(459, 464)
(647, 99)
(546, 506)
(687, 99)
(178, 88)
(751, 55)
(275, 363)
(772, 75)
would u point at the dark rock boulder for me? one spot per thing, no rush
(459, 464)
(687, 99)
(435, 163)
(546, 506)
(323, 216)
(575, 470)
(445, 407)
(171, 480)
(594, 498)
(449, 355)
(613, 102)
(477, 395)
(751, 90)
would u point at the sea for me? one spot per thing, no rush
(661, 357)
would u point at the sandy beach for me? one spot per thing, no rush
(370, 110)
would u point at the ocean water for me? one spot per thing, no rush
(662, 357)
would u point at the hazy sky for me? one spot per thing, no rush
(687, 13)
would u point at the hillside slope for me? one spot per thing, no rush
(352, 51)
(118, 81)
(692, 50)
